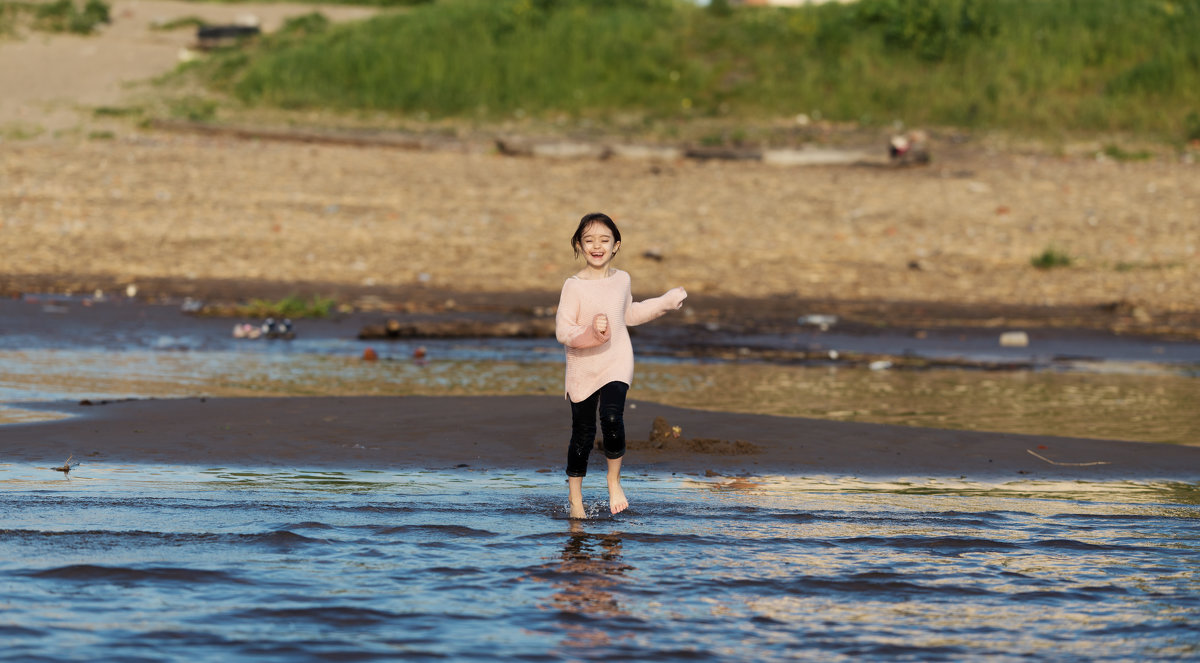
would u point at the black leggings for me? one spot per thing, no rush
(611, 401)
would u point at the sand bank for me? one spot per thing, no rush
(530, 432)
(177, 211)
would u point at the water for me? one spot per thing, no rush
(176, 563)
(1131, 404)
(169, 563)
(1078, 385)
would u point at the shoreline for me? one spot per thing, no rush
(529, 432)
(731, 314)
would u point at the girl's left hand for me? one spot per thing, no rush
(678, 294)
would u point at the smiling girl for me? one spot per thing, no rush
(594, 311)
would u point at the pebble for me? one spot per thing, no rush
(1014, 339)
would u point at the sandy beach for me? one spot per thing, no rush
(529, 432)
(182, 211)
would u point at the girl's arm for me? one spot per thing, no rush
(568, 327)
(644, 311)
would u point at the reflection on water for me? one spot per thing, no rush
(157, 562)
(588, 579)
(1153, 407)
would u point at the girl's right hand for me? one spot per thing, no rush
(600, 323)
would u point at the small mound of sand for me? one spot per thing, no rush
(665, 437)
(699, 445)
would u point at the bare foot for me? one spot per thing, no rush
(616, 498)
(575, 497)
(577, 511)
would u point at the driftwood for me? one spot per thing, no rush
(396, 330)
(212, 36)
(516, 147)
(724, 153)
(361, 139)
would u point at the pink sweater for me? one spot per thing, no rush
(594, 360)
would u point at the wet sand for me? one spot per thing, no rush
(529, 432)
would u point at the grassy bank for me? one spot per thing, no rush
(57, 16)
(1027, 65)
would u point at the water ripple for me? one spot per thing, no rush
(485, 566)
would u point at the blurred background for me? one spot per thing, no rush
(958, 213)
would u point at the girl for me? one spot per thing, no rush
(594, 310)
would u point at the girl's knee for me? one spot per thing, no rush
(611, 421)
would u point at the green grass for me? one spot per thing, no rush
(1119, 154)
(116, 111)
(66, 16)
(10, 16)
(193, 108)
(1045, 66)
(20, 131)
(292, 306)
(178, 23)
(358, 3)
(57, 16)
(1051, 258)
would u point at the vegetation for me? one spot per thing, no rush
(115, 111)
(178, 23)
(1120, 154)
(292, 306)
(57, 16)
(1051, 258)
(361, 3)
(1028, 65)
(193, 108)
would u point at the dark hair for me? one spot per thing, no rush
(586, 221)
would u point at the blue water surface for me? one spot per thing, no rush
(172, 563)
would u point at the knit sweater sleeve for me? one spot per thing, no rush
(570, 330)
(637, 313)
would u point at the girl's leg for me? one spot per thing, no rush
(612, 424)
(617, 502)
(583, 438)
(575, 497)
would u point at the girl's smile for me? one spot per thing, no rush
(598, 244)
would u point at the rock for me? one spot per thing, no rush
(516, 147)
(813, 157)
(1014, 339)
(821, 321)
(909, 149)
(370, 355)
(247, 331)
(571, 151)
(648, 153)
(660, 432)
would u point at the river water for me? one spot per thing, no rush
(153, 563)
(181, 563)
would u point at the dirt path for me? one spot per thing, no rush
(52, 82)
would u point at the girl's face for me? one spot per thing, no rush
(597, 245)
